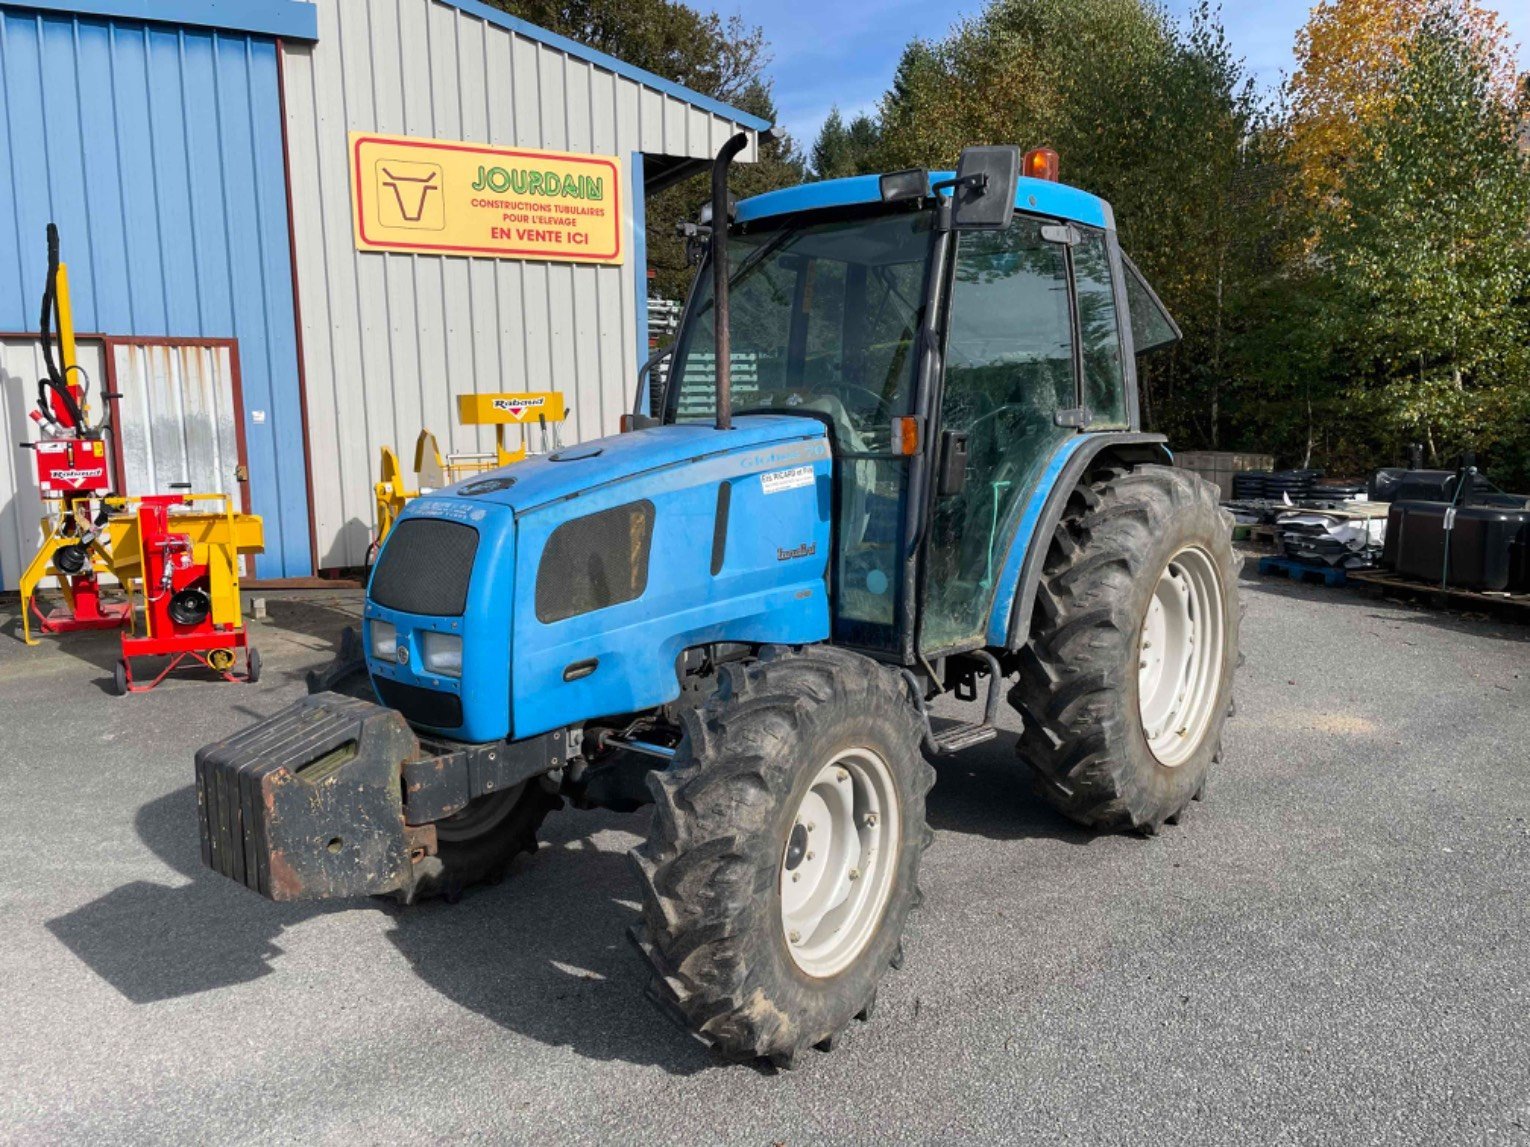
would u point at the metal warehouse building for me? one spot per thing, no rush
(295, 231)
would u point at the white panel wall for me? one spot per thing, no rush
(21, 365)
(388, 339)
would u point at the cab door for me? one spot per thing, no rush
(1011, 390)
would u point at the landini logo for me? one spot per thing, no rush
(805, 550)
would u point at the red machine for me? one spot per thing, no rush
(187, 563)
(72, 471)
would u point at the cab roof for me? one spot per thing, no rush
(1041, 196)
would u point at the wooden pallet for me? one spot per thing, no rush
(1331, 576)
(1515, 606)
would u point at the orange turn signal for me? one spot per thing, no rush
(906, 435)
(1040, 163)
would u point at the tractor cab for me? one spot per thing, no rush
(957, 334)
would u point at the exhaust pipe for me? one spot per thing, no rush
(720, 278)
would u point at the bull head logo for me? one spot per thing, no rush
(410, 194)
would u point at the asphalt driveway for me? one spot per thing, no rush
(1333, 947)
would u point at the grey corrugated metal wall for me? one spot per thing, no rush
(388, 339)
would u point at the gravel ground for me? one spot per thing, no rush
(1331, 948)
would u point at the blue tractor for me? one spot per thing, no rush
(896, 454)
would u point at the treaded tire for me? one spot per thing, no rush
(712, 927)
(484, 856)
(1077, 693)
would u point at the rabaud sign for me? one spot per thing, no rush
(440, 197)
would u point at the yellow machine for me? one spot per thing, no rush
(542, 411)
(73, 473)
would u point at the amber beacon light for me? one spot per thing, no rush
(1040, 163)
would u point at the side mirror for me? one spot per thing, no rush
(983, 198)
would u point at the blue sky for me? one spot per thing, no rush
(843, 52)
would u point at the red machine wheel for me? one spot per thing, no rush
(120, 678)
(252, 665)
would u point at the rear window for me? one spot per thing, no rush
(1152, 325)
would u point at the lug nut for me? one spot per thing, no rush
(796, 876)
(855, 874)
(871, 820)
(810, 855)
(841, 776)
(794, 937)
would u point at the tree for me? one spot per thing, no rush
(722, 58)
(1433, 256)
(842, 149)
(1153, 117)
(1349, 56)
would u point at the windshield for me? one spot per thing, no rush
(824, 320)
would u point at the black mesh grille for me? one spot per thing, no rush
(425, 568)
(595, 562)
(421, 706)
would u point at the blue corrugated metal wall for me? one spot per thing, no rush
(158, 152)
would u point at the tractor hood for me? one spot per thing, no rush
(563, 588)
(588, 467)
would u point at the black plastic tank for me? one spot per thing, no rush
(1481, 539)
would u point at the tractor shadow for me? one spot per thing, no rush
(543, 954)
(155, 942)
(987, 791)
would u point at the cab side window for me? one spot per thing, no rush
(1099, 332)
(1008, 374)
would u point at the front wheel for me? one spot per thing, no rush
(784, 852)
(1127, 679)
(477, 844)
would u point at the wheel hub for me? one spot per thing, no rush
(1180, 650)
(838, 862)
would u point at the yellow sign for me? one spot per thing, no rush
(438, 197)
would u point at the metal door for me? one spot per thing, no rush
(178, 418)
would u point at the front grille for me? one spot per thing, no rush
(425, 568)
(594, 562)
(419, 706)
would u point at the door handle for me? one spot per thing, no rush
(953, 463)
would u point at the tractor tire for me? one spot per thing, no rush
(1122, 711)
(478, 844)
(801, 764)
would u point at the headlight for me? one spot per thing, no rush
(443, 653)
(384, 640)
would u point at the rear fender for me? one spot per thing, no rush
(1009, 622)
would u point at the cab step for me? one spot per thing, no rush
(955, 738)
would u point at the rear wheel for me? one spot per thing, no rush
(1128, 675)
(784, 852)
(478, 844)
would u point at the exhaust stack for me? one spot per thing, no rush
(720, 278)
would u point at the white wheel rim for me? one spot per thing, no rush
(838, 862)
(1179, 661)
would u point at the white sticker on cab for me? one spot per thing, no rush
(778, 480)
